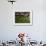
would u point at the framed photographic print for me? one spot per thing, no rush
(23, 17)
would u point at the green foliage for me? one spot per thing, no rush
(22, 19)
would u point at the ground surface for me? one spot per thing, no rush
(22, 19)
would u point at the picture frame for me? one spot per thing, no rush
(23, 17)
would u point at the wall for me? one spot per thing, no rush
(9, 31)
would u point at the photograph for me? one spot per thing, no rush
(23, 18)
